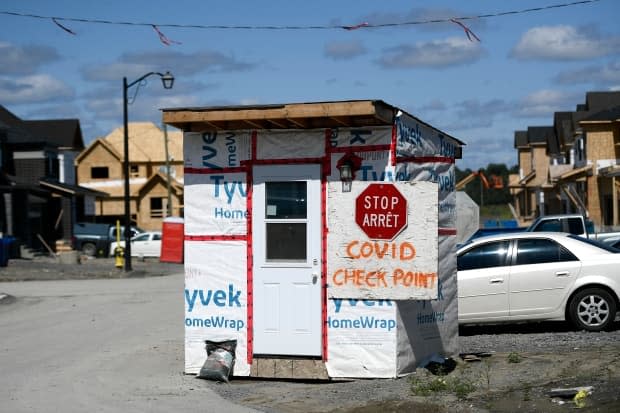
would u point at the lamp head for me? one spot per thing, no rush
(348, 165)
(346, 176)
(168, 80)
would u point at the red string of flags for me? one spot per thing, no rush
(167, 41)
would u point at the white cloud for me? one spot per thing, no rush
(344, 50)
(437, 53)
(543, 103)
(434, 104)
(564, 42)
(34, 89)
(116, 71)
(474, 114)
(21, 60)
(607, 74)
(250, 101)
(134, 65)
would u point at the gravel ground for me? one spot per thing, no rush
(519, 364)
(48, 268)
(536, 337)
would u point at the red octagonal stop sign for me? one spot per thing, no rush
(381, 211)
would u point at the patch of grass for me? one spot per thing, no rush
(462, 388)
(514, 357)
(459, 386)
(420, 387)
(527, 392)
(487, 374)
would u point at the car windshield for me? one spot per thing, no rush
(595, 243)
(141, 237)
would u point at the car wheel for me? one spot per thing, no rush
(89, 249)
(592, 309)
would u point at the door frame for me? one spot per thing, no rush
(314, 263)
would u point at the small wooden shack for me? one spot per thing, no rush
(319, 236)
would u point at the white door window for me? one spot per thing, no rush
(542, 275)
(483, 282)
(286, 222)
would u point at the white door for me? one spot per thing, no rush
(483, 273)
(286, 226)
(541, 278)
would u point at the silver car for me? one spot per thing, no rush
(533, 276)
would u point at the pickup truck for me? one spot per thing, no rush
(94, 239)
(574, 224)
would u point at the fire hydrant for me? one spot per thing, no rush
(119, 256)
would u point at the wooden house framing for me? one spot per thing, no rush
(575, 166)
(100, 167)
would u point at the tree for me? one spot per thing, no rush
(491, 196)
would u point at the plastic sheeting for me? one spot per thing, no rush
(468, 214)
(291, 144)
(215, 301)
(401, 268)
(364, 337)
(215, 204)
(216, 150)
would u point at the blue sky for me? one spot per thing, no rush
(526, 66)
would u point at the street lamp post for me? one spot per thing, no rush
(167, 80)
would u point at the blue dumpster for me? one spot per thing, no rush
(5, 250)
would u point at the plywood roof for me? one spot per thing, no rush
(282, 116)
(146, 142)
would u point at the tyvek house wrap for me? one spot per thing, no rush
(364, 337)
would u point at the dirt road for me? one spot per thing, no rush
(98, 345)
(113, 345)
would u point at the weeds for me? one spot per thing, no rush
(459, 386)
(487, 374)
(514, 357)
(527, 392)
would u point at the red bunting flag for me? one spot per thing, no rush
(63, 27)
(163, 38)
(468, 32)
(357, 26)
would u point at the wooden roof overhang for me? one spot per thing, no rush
(359, 113)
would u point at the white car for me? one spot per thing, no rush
(529, 276)
(146, 244)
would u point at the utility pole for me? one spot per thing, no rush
(169, 207)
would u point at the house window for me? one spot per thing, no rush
(99, 172)
(580, 155)
(51, 165)
(157, 207)
(134, 170)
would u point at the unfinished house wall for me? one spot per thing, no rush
(361, 337)
(601, 152)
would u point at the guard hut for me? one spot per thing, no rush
(320, 237)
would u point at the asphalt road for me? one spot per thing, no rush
(102, 345)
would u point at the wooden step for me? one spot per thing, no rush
(288, 368)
